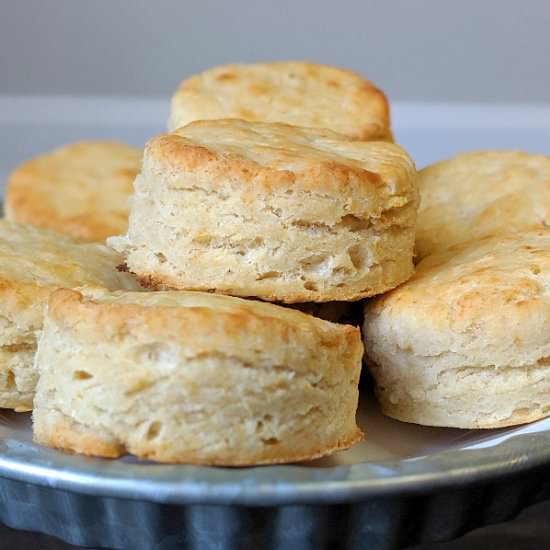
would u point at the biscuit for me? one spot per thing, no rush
(297, 93)
(33, 263)
(272, 211)
(466, 342)
(194, 378)
(81, 189)
(477, 194)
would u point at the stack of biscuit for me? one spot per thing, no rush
(275, 183)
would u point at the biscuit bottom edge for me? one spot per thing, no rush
(387, 277)
(487, 398)
(517, 419)
(52, 428)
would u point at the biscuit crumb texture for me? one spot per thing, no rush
(82, 189)
(194, 378)
(17, 376)
(466, 342)
(271, 211)
(297, 93)
(33, 263)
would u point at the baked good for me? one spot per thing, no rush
(81, 189)
(292, 92)
(34, 262)
(481, 193)
(466, 342)
(273, 211)
(194, 377)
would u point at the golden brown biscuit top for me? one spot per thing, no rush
(204, 321)
(480, 193)
(500, 283)
(29, 255)
(298, 93)
(273, 153)
(81, 189)
(165, 302)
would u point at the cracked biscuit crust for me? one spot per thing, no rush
(193, 377)
(268, 210)
(297, 93)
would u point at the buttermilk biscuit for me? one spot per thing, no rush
(81, 189)
(195, 378)
(274, 211)
(297, 93)
(33, 263)
(482, 193)
(466, 342)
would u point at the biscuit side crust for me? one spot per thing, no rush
(54, 429)
(469, 397)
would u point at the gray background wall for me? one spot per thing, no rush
(468, 50)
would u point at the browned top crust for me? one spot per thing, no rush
(204, 321)
(292, 92)
(81, 189)
(488, 298)
(481, 193)
(273, 155)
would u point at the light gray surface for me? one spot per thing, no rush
(467, 50)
